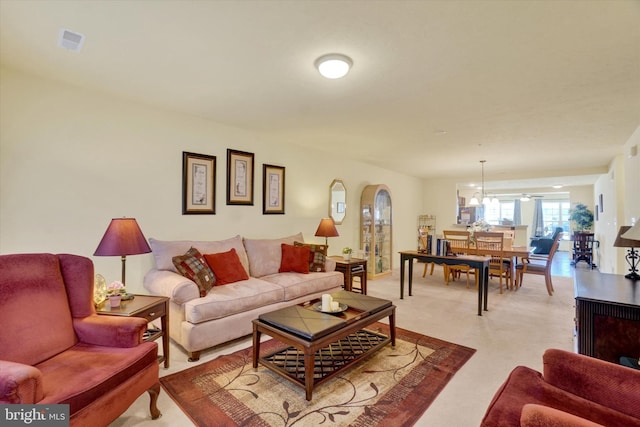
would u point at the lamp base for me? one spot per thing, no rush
(633, 276)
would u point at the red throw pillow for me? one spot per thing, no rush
(227, 267)
(294, 258)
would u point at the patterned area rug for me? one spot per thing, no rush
(392, 387)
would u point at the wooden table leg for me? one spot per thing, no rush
(392, 327)
(403, 261)
(256, 345)
(308, 372)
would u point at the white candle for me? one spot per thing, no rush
(326, 302)
(335, 306)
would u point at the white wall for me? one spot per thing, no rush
(72, 159)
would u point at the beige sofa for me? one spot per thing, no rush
(226, 312)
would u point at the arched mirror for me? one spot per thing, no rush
(337, 201)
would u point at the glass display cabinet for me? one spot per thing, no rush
(375, 230)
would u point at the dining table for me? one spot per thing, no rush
(511, 252)
(480, 263)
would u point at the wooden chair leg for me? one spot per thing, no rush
(547, 282)
(154, 392)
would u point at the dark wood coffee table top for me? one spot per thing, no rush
(303, 320)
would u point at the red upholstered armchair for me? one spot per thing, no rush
(575, 390)
(55, 349)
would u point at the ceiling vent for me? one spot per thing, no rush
(70, 40)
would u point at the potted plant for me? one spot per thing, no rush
(346, 253)
(581, 218)
(115, 291)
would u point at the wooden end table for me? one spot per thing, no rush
(147, 307)
(354, 267)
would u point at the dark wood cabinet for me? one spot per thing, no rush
(607, 315)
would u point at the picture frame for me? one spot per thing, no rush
(601, 200)
(273, 189)
(239, 177)
(198, 184)
(596, 212)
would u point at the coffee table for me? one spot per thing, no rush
(322, 345)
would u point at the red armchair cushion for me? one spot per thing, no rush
(542, 416)
(33, 308)
(524, 385)
(594, 380)
(84, 373)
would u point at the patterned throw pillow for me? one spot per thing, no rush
(227, 267)
(294, 258)
(317, 256)
(193, 266)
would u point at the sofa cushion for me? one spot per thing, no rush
(295, 259)
(297, 285)
(265, 254)
(525, 385)
(193, 266)
(232, 299)
(164, 251)
(317, 255)
(227, 267)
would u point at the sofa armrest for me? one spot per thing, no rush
(20, 383)
(544, 416)
(110, 331)
(329, 264)
(614, 386)
(172, 285)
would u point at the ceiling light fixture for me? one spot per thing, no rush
(333, 65)
(485, 199)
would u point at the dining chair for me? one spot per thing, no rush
(537, 266)
(583, 248)
(460, 244)
(490, 243)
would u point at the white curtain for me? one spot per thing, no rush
(517, 212)
(538, 222)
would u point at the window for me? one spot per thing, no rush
(494, 213)
(555, 213)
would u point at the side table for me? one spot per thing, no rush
(150, 308)
(354, 267)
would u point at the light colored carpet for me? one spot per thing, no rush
(516, 330)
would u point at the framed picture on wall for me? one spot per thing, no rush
(272, 189)
(601, 200)
(239, 177)
(198, 184)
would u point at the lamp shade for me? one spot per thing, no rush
(123, 237)
(624, 242)
(633, 233)
(327, 228)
